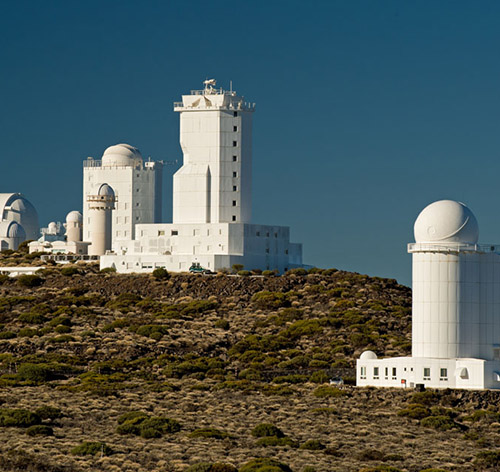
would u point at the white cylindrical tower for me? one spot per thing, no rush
(446, 282)
(100, 213)
(74, 226)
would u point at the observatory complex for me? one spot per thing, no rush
(456, 304)
(18, 220)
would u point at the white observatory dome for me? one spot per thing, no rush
(446, 221)
(15, 207)
(121, 155)
(105, 191)
(52, 227)
(368, 355)
(74, 217)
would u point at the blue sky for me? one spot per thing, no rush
(366, 110)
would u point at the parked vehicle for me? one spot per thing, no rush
(196, 268)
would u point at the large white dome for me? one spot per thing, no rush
(446, 221)
(121, 155)
(15, 207)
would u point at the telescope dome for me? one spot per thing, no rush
(74, 217)
(121, 155)
(446, 221)
(105, 191)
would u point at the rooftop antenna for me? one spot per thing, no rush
(231, 86)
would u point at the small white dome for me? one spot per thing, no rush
(105, 191)
(121, 155)
(52, 227)
(446, 221)
(74, 217)
(366, 355)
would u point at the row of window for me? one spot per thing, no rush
(443, 373)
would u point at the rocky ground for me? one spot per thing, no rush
(197, 362)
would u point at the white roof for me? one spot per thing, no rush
(121, 155)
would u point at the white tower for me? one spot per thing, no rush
(214, 183)
(100, 210)
(137, 185)
(74, 226)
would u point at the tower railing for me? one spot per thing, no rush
(453, 247)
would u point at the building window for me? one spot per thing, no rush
(235, 143)
(386, 373)
(234, 203)
(427, 373)
(235, 158)
(496, 353)
(234, 217)
(174, 232)
(235, 174)
(375, 373)
(235, 128)
(160, 233)
(267, 250)
(136, 218)
(362, 372)
(235, 114)
(286, 251)
(258, 233)
(267, 234)
(275, 235)
(235, 188)
(443, 374)
(394, 373)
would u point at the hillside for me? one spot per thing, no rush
(172, 372)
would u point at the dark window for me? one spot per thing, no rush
(235, 174)
(175, 232)
(234, 203)
(235, 188)
(235, 114)
(234, 217)
(235, 128)
(235, 158)
(258, 233)
(267, 250)
(235, 143)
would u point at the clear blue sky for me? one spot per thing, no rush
(366, 110)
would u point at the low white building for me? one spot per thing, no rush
(211, 198)
(456, 308)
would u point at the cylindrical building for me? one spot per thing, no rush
(100, 214)
(446, 282)
(74, 226)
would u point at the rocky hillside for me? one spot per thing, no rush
(100, 371)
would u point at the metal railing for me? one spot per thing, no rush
(92, 162)
(453, 247)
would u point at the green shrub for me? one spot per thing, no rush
(268, 273)
(415, 411)
(303, 328)
(488, 459)
(270, 300)
(244, 273)
(108, 270)
(325, 391)
(264, 464)
(18, 418)
(29, 280)
(27, 333)
(7, 335)
(152, 331)
(140, 424)
(293, 379)
(222, 324)
(275, 441)
(89, 448)
(161, 274)
(320, 376)
(64, 338)
(313, 445)
(426, 398)
(4, 278)
(297, 271)
(47, 412)
(69, 271)
(60, 320)
(40, 430)
(209, 433)
(131, 415)
(441, 423)
(32, 318)
(207, 467)
(36, 373)
(371, 455)
(267, 429)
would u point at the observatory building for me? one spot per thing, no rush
(211, 197)
(456, 308)
(18, 220)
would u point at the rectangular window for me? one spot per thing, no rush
(235, 114)
(235, 143)
(235, 128)
(235, 188)
(427, 373)
(235, 174)
(161, 233)
(234, 203)
(443, 374)
(234, 217)
(386, 372)
(275, 235)
(136, 218)
(286, 251)
(362, 372)
(394, 373)
(235, 158)
(375, 373)
(267, 250)
(258, 233)
(174, 232)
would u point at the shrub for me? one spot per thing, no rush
(320, 376)
(36, 373)
(297, 271)
(270, 300)
(209, 433)
(18, 418)
(222, 324)
(325, 391)
(131, 415)
(69, 271)
(7, 335)
(140, 424)
(4, 278)
(371, 455)
(237, 268)
(275, 441)
(89, 448)
(32, 318)
(60, 320)
(415, 411)
(207, 467)
(264, 464)
(108, 270)
(268, 273)
(152, 331)
(48, 412)
(267, 429)
(40, 430)
(27, 333)
(313, 445)
(161, 274)
(426, 398)
(488, 459)
(244, 273)
(29, 280)
(441, 423)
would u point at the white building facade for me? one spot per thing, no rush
(211, 198)
(456, 308)
(137, 186)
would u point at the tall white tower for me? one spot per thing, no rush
(137, 186)
(214, 183)
(100, 207)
